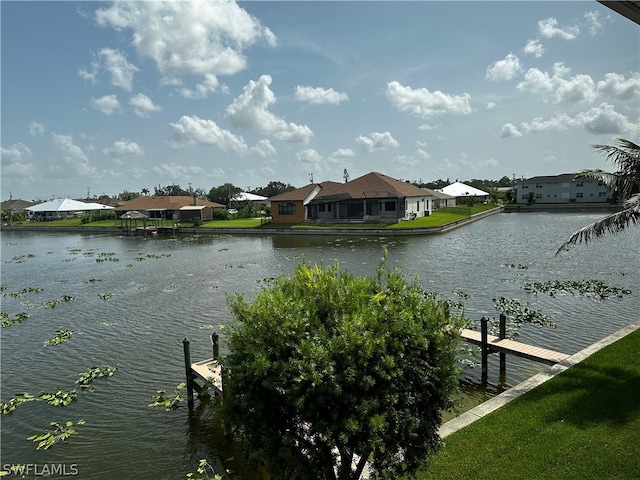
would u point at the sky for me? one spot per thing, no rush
(99, 98)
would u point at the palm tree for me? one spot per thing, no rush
(625, 184)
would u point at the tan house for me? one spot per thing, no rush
(374, 198)
(169, 207)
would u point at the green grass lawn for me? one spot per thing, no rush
(436, 219)
(583, 424)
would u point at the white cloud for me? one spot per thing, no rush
(320, 95)
(73, 155)
(377, 141)
(121, 71)
(509, 130)
(209, 85)
(250, 110)
(423, 154)
(195, 132)
(122, 148)
(603, 119)
(594, 25)
(616, 86)
(534, 47)
(311, 160)
(178, 172)
(490, 105)
(108, 104)
(548, 28)
(263, 149)
(15, 161)
(505, 69)
(36, 129)
(558, 88)
(343, 153)
(427, 127)
(143, 106)
(188, 37)
(423, 103)
(600, 120)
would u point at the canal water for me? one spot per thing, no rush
(131, 301)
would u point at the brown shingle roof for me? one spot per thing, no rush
(295, 195)
(371, 185)
(164, 203)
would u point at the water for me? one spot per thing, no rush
(165, 289)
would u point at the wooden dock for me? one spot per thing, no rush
(524, 350)
(210, 372)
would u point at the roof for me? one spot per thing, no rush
(16, 204)
(192, 207)
(173, 202)
(565, 177)
(631, 10)
(246, 196)
(134, 215)
(299, 194)
(459, 189)
(371, 185)
(67, 205)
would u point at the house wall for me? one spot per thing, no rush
(563, 190)
(287, 212)
(416, 207)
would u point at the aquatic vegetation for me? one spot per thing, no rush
(105, 295)
(21, 258)
(12, 404)
(595, 289)
(202, 472)
(23, 292)
(7, 321)
(517, 266)
(61, 337)
(107, 257)
(59, 397)
(86, 378)
(169, 402)
(59, 433)
(518, 313)
(93, 280)
(55, 302)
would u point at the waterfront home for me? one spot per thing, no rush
(373, 197)
(565, 188)
(169, 207)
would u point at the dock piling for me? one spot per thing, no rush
(484, 348)
(503, 356)
(215, 346)
(187, 365)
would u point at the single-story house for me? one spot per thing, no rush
(65, 207)
(167, 207)
(373, 197)
(441, 200)
(565, 188)
(462, 191)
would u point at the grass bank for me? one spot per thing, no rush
(439, 218)
(583, 424)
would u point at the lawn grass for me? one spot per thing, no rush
(436, 219)
(582, 424)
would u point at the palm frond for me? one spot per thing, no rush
(614, 223)
(611, 180)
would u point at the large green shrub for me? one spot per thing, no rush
(326, 368)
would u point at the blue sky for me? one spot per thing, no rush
(102, 97)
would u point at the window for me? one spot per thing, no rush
(538, 195)
(580, 183)
(525, 196)
(579, 195)
(525, 186)
(538, 185)
(286, 208)
(602, 194)
(321, 207)
(390, 206)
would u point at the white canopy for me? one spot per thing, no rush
(67, 205)
(244, 196)
(459, 189)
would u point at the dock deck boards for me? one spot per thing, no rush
(519, 349)
(209, 370)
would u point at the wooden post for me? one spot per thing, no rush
(503, 356)
(484, 348)
(215, 347)
(187, 366)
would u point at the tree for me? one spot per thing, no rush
(626, 186)
(223, 193)
(171, 191)
(274, 188)
(329, 370)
